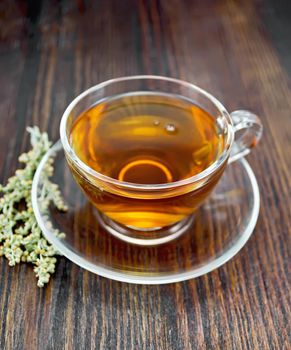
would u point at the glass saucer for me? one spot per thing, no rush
(220, 228)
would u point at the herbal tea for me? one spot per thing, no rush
(146, 139)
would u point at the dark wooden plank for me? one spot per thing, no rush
(52, 50)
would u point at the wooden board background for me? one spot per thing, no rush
(238, 50)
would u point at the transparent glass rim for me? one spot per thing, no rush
(149, 280)
(147, 187)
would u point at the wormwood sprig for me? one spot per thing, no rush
(21, 238)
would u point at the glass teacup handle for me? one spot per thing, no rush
(251, 130)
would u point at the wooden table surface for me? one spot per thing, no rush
(238, 50)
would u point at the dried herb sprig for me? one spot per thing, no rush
(21, 238)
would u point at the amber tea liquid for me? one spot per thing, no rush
(146, 139)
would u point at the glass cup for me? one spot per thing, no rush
(183, 196)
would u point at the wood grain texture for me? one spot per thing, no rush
(238, 50)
